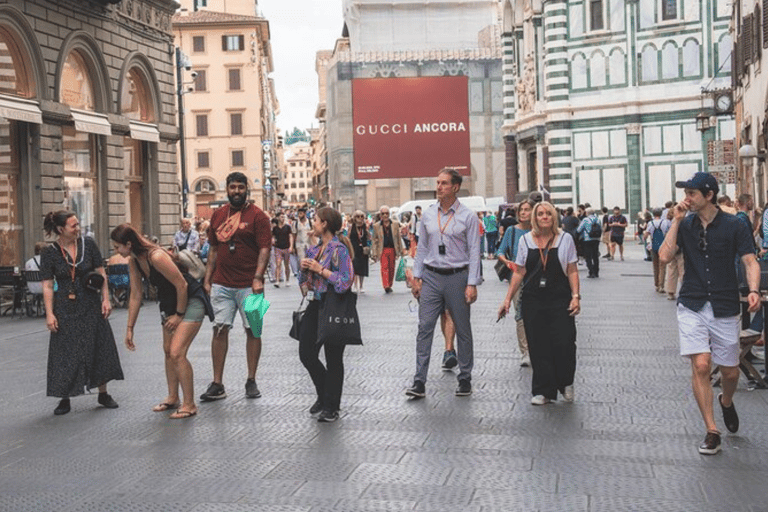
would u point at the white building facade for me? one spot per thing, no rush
(601, 97)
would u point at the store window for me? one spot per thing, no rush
(17, 79)
(11, 239)
(80, 179)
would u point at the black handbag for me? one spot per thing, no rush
(338, 322)
(298, 318)
(502, 270)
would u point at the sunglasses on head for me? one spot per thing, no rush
(703, 239)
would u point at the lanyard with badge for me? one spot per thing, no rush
(544, 257)
(441, 247)
(72, 266)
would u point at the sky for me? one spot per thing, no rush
(299, 28)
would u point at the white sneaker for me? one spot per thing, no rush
(540, 400)
(568, 393)
(287, 284)
(525, 362)
(362, 290)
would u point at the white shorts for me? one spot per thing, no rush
(702, 333)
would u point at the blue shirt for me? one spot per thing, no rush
(509, 245)
(461, 237)
(710, 275)
(586, 225)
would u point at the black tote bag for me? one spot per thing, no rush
(298, 319)
(338, 323)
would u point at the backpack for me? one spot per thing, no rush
(657, 237)
(595, 230)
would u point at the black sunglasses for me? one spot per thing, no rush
(703, 239)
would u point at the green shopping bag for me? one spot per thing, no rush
(256, 307)
(400, 274)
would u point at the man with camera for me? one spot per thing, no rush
(240, 239)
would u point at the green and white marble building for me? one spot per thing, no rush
(601, 96)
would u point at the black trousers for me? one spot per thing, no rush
(328, 381)
(592, 256)
(551, 334)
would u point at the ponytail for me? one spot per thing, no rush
(55, 220)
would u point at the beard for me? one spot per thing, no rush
(236, 200)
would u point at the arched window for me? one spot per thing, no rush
(670, 61)
(618, 67)
(691, 58)
(650, 63)
(136, 99)
(579, 71)
(76, 86)
(16, 79)
(597, 69)
(205, 186)
(724, 49)
(293, 198)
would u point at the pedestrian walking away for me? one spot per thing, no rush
(183, 305)
(446, 274)
(549, 278)
(81, 352)
(328, 264)
(510, 244)
(590, 231)
(241, 239)
(387, 246)
(656, 231)
(708, 303)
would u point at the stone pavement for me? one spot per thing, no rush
(628, 443)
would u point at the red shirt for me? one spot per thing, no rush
(236, 269)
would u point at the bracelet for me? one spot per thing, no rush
(258, 277)
(130, 327)
(576, 296)
(180, 313)
(754, 291)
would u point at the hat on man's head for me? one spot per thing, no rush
(702, 181)
(536, 196)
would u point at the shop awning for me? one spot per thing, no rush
(144, 131)
(91, 122)
(18, 109)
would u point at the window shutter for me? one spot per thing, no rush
(223, 43)
(756, 45)
(748, 26)
(241, 42)
(765, 23)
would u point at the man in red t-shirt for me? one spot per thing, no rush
(240, 240)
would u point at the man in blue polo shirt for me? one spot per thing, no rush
(708, 304)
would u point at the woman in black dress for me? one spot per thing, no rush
(82, 352)
(361, 243)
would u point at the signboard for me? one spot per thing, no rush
(410, 127)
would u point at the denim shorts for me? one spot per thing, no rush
(225, 302)
(195, 311)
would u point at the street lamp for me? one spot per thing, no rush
(702, 122)
(182, 63)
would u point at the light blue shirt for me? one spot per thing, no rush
(508, 246)
(461, 237)
(586, 225)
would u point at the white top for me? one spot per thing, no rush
(566, 250)
(34, 264)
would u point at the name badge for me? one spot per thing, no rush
(441, 249)
(543, 282)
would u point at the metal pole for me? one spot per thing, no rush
(182, 142)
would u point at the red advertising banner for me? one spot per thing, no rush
(410, 127)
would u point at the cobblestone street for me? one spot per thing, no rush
(628, 443)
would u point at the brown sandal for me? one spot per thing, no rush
(182, 415)
(165, 407)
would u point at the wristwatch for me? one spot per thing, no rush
(576, 296)
(754, 291)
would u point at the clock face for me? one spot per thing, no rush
(723, 102)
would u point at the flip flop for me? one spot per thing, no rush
(165, 407)
(182, 415)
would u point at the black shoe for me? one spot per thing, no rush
(62, 408)
(730, 417)
(711, 444)
(465, 388)
(316, 407)
(251, 390)
(215, 391)
(387, 290)
(590, 276)
(107, 401)
(417, 390)
(449, 359)
(328, 416)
